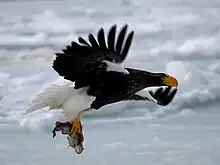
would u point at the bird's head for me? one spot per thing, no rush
(161, 79)
(151, 79)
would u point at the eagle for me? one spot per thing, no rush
(95, 78)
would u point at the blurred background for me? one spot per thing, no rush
(173, 36)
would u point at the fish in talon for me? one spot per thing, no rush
(63, 127)
(76, 142)
(73, 130)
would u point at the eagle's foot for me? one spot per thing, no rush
(74, 131)
(76, 127)
(75, 136)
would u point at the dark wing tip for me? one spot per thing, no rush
(125, 26)
(100, 30)
(101, 39)
(83, 41)
(93, 42)
(121, 37)
(114, 26)
(164, 96)
(127, 45)
(111, 37)
(122, 45)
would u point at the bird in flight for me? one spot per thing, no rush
(96, 78)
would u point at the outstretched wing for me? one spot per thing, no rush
(164, 96)
(84, 61)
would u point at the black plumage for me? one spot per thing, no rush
(87, 63)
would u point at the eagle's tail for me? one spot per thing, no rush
(52, 97)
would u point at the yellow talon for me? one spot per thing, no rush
(76, 127)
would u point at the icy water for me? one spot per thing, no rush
(178, 37)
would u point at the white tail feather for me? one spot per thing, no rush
(52, 97)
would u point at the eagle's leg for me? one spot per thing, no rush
(75, 136)
(76, 127)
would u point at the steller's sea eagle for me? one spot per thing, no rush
(96, 78)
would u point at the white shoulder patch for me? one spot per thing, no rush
(115, 67)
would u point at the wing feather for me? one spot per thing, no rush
(101, 40)
(121, 38)
(84, 62)
(111, 38)
(83, 41)
(93, 42)
(127, 46)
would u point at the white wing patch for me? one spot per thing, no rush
(115, 67)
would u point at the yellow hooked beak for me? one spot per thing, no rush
(169, 81)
